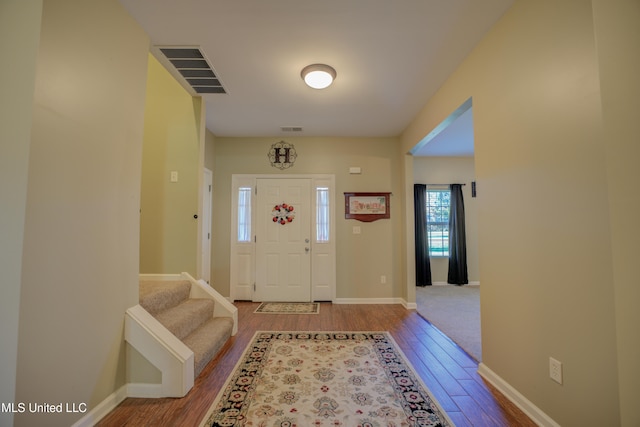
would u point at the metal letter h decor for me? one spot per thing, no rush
(282, 155)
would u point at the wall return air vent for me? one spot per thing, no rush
(191, 64)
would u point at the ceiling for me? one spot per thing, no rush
(390, 58)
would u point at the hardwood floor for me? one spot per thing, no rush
(446, 369)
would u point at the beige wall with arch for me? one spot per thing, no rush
(545, 243)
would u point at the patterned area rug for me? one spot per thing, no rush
(289, 308)
(324, 379)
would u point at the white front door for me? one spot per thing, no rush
(283, 234)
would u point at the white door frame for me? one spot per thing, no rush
(242, 254)
(205, 253)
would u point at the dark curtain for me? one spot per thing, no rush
(457, 239)
(423, 266)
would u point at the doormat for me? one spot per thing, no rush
(289, 308)
(324, 379)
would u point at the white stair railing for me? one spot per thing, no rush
(161, 348)
(166, 352)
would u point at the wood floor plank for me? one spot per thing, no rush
(448, 372)
(452, 367)
(440, 372)
(474, 412)
(432, 383)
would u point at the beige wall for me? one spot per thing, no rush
(80, 262)
(617, 27)
(19, 20)
(544, 241)
(450, 170)
(168, 230)
(361, 259)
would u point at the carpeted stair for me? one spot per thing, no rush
(191, 320)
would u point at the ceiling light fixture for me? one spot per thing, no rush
(318, 76)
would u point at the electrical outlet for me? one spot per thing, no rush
(555, 370)
(383, 279)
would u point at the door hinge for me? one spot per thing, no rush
(254, 287)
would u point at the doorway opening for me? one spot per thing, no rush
(446, 156)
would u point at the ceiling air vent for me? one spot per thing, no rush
(194, 68)
(291, 129)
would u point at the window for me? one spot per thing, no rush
(244, 214)
(322, 215)
(438, 206)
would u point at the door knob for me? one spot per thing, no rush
(306, 240)
(306, 249)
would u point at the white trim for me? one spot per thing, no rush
(410, 305)
(163, 349)
(200, 289)
(92, 417)
(391, 300)
(531, 410)
(200, 200)
(238, 290)
(204, 226)
(319, 291)
(222, 307)
(447, 284)
(144, 390)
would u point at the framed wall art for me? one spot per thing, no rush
(367, 207)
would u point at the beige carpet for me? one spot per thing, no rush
(455, 310)
(324, 379)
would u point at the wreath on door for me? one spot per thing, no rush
(283, 213)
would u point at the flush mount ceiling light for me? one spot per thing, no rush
(318, 76)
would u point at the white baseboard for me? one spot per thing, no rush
(410, 305)
(92, 417)
(402, 301)
(145, 390)
(369, 301)
(447, 284)
(532, 411)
